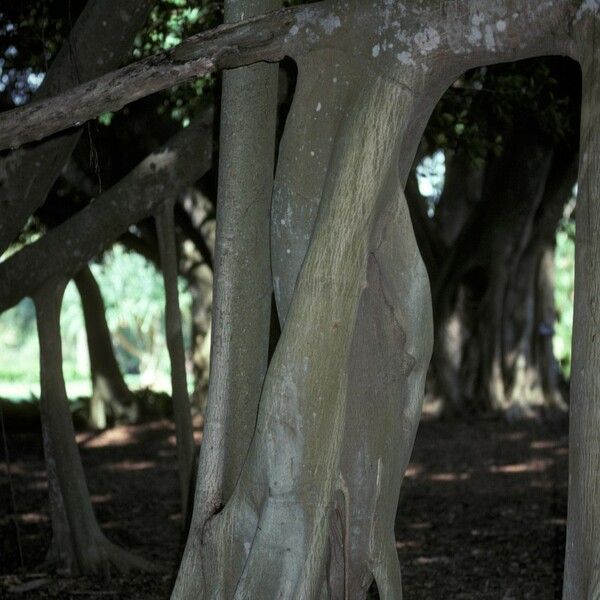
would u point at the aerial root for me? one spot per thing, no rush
(387, 572)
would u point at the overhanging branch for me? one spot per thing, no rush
(70, 246)
(265, 38)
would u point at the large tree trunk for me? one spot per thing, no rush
(529, 367)
(471, 289)
(86, 548)
(312, 512)
(98, 43)
(582, 563)
(242, 287)
(369, 333)
(109, 390)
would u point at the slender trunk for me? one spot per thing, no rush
(546, 364)
(582, 561)
(242, 286)
(61, 554)
(201, 279)
(94, 554)
(165, 227)
(109, 390)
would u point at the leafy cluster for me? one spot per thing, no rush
(33, 31)
(564, 288)
(476, 112)
(170, 22)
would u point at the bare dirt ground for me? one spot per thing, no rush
(482, 512)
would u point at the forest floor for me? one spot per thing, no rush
(482, 511)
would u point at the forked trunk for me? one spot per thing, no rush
(342, 397)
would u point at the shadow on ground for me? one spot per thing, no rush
(482, 511)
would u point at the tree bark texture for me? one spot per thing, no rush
(242, 285)
(582, 564)
(186, 448)
(301, 470)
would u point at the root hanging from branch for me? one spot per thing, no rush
(165, 228)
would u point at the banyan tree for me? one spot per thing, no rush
(304, 451)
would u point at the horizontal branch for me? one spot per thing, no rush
(70, 246)
(264, 38)
(441, 42)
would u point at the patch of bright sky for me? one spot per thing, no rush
(24, 82)
(431, 173)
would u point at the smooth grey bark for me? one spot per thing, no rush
(186, 448)
(431, 48)
(110, 394)
(302, 464)
(242, 285)
(93, 552)
(324, 465)
(582, 562)
(98, 43)
(69, 247)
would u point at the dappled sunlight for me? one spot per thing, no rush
(531, 466)
(407, 544)
(33, 517)
(130, 465)
(41, 485)
(545, 444)
(100, 498)
(419, 525)
(449, 477)
(117, 436)
(471, 491)
(413, 471)
(428, 560)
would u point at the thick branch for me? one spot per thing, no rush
(442, 42)
(69, 247)
(231, 45)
